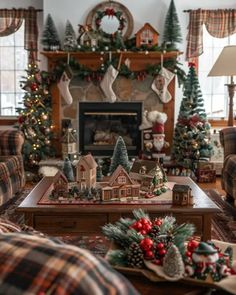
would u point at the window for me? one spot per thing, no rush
(121, 179)
(13, 63)
(214, 91)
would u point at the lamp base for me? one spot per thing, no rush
(231, 91)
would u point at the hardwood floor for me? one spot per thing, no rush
(213, 185)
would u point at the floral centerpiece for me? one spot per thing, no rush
(169, 250)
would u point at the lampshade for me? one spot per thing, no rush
(225, 65)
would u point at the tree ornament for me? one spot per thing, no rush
(107, 81)
(146, 244)
(173, 264)
(33, 86)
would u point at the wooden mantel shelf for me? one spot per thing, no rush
(138, 60)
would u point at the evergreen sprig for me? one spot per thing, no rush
(139, 213)
(167, 225)
(117, 257)
(182, 233)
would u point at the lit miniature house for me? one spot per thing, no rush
(68, 144)
(147, 36)
(181, 195)
(60, 185)
(87, 37)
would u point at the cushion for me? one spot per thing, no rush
(7, 226)
(37, 265)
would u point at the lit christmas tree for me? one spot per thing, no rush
(192, 131)
(172, 30)
(50, 38)
(35, 117)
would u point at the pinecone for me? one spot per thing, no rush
(135, 256)
(154, 231)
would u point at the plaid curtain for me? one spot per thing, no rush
(11, 20)
(219, 23)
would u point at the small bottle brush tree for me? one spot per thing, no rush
(35, 116)
(70, 42)
(192, 131)
(68, 170)
(172, 30)
(50, 39)
(120, 156)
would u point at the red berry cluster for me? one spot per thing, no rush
(191, 246)
(152, 250)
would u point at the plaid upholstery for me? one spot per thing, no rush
(219, 23)
(36, 265)
(7, 226)
(228, 179)
(12, 176)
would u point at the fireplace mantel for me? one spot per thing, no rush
(138, 62)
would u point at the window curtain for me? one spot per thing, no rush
(219, 23)
(11, 20)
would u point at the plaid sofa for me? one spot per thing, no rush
(228, 179)
(12, 176)
(31, 263)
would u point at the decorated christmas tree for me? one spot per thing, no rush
(120, 156)
(35, 116)
(172, 30)
(50, 38)
(70, 42)
(192, 131)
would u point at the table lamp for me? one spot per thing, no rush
(225, 65)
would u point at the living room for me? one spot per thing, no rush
(117, 131)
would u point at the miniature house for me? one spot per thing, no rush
(119, 186)
(87, 36)
(181, 195)
(68, 144)
(147, 36)
(143, 171)
(86, 170)
(60, 185)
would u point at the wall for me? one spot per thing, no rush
(152, 11)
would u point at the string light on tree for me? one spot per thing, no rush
(35, 115)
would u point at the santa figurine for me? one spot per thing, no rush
(158, 119)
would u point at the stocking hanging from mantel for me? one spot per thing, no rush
(64, 83)
(161, 82)
(108, 80)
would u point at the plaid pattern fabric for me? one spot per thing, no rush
(12, 176)
(36, 265)
(219, 23)
(228, 179)
(7, 226)
(11, 20)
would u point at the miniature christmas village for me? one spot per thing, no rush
(143, 181)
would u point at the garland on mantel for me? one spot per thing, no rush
(89, 75)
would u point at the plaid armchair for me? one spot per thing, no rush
(12, 176)
(228, 180)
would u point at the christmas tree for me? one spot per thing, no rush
(35, 117)
(192, 131)
(70, 42)
(172, 30)
(120, 156)
(50, 38)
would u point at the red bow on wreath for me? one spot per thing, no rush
(110, 11)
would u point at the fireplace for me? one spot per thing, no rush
(101, 123)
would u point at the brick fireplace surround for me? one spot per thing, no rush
(126, 90)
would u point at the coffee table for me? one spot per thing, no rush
(88, 219)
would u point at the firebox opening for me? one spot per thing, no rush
(101, 123)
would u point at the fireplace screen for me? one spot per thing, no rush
(100, 124)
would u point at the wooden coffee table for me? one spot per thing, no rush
(88, 219)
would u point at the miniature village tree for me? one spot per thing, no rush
(192, 131)
(172, 30)
(120, 156)
(68, 170)
(50, 38)
(35, 115)
(70, 42)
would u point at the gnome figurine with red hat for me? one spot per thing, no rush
(158, 120)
